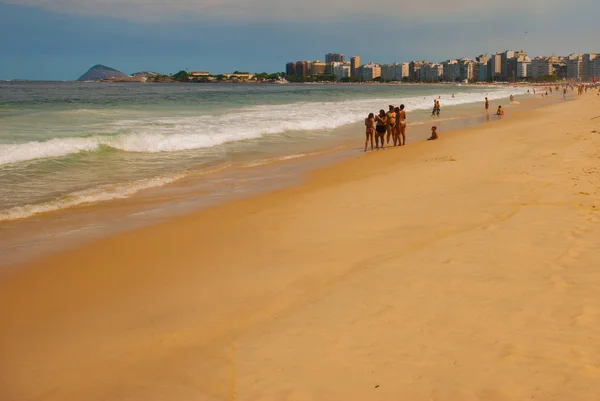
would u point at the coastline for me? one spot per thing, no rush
(68, 227)
(462, 270)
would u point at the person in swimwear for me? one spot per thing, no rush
(500, 111)
(487, 104)
(390, 124)
(401, 125)
(434, 134)
(370, 126)
(434, 108)
(437, 108)
(380, 129)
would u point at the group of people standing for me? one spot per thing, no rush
(393, 123)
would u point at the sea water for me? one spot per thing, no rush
(66, 144)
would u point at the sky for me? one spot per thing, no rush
(61, 39)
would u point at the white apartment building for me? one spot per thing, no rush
(340, 70)
(370, 71)
(394, 72)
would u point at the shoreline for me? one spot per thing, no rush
(45, 233)
(465, 269)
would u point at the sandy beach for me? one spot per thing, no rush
(460, 269)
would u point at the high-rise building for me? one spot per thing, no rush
(588, 66)
(465, 69)
(394, 72)
(542, 66)
(482, 73)
(290, 68)
(414, 70)
(318, 68)
(523, 67)
(494, 65)
(369, 72)
(451, 70)
(575, 66)
(504, 69)
(303, 69)
(340, 70)
(355, 67)
(334, 58)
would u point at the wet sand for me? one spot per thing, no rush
(460, 269)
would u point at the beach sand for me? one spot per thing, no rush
(460, 269)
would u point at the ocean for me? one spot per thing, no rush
(64, 144)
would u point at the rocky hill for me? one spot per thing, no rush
(100, 72)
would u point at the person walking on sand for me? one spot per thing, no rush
(434, 134)
(487, 105)
(380, 128)
(370, 127)
(401, 125)
(390, 123)
(434, 108)
(437, 108)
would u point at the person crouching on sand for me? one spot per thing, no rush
(380, 129)
(500, 111)
(370, 125)
(434, 134)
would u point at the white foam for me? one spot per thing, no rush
(88, 196)
(171, 134)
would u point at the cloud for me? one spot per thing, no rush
(318, 10)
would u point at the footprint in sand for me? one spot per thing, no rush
(442, 159)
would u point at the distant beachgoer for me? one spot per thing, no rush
(391, 123)
(512, 98)
(402, 125)
(370, 127)
(500, 111)
(437, 108)
(434, 108)
(434, 134)
(487, 104)
(380, 128)
(453, 96)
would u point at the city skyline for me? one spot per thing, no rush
(508, 65)
(62, 40)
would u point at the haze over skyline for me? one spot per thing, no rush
(60, 40)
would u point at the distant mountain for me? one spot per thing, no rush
(100, 72)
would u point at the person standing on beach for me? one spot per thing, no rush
(437, 108)
(370, 126)
(401, 125)
(390, 123)
(380, 128)
(487, 105)
(434, 108)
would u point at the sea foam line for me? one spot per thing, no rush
(170, 134)
(88, 196)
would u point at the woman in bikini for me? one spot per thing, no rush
(370, 125)
(391, 124)
(401, 126)
(380, 129)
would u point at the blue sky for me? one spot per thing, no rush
(61, 39)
